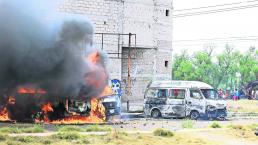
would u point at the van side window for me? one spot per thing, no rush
(177, 94)
(157, 93)
(162, 93)
(195, 94)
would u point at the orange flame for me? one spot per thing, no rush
(107, 91)
(97, 115)
(94, 57)
(23, 90)
(45, 109)
(4, 115)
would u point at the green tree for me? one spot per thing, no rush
(203, 66)
(227, 63)
(221, 71)
(248, 66)
(182, 67)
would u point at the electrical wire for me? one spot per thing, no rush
(215, 11)
(212, 6)
(219, 39)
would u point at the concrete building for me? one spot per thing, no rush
(148, 55)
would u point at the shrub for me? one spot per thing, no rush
(70, 128)
(164, 133)
(9, 130)
(3, 137)
(68, 135)
(34, 129)
(187, 124)
(24, 139)
(92, 128)
(215, 125)
(10, 142)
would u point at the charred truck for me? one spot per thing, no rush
(183, 99)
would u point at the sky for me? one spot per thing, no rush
(238, 23)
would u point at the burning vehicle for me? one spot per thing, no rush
(183, 98)
(112, 103)
(50, 76)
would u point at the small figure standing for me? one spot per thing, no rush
(236, 95)
(220, 93)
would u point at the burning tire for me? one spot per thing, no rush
(155, 113)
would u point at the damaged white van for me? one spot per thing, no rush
(183, 99)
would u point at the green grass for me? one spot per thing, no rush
(187, 124)
(67, 136)
(34, 129)
(70, 128)
(162, 137)
(215, 125)
(89, 128)
(93, 128)
(25, 139)
(3, 137)
(163, 133)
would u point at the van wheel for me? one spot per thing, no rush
(155, 113)
(194, 115)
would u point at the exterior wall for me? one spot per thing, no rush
(145, 18)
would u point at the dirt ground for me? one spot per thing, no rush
(174, 124)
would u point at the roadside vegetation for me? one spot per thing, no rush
(164, 133)
(67, 135)
(216, 125)
(16, 129)
(88, 128)
(188, 124)
(112, 138)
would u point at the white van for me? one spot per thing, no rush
(182, 99)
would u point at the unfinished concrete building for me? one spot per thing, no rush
(137, 36)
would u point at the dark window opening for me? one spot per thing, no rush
(166, 63)
(167, 13)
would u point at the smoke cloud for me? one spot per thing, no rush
(31, 55)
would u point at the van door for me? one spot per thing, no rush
(176, 102)
(195, 102)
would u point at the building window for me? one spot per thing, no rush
(166, 63)
(167, 13)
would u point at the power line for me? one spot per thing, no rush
(212, 6)
(207, 44)
(215, 11)
(218, 39)
(217, 42)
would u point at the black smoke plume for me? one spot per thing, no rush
(31, 55)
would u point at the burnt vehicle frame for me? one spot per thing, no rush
(179, 99)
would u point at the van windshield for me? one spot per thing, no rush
(210, 94)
